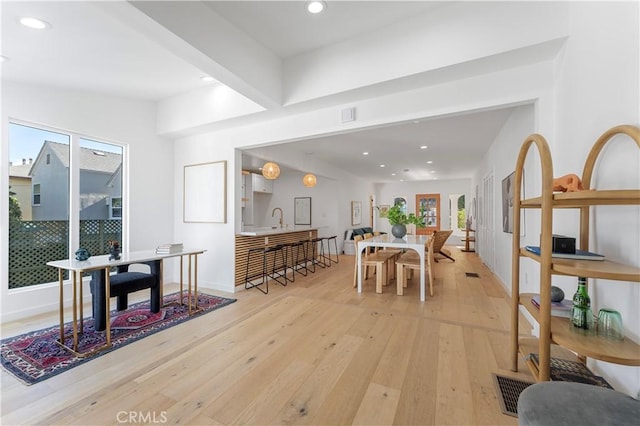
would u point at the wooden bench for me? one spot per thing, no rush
(379, 260)
(411, 261)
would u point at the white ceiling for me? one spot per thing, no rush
(287, 29)
(102, 47)
(87, 49)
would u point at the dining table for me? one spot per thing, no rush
(408, 242)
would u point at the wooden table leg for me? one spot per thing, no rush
(61, 281)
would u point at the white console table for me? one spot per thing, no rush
(77, 267)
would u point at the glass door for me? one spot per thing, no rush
(428, 208)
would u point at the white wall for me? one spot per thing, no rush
(604, 40)
(123, 121)
(501, 160)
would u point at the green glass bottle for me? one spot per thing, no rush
(581, 314)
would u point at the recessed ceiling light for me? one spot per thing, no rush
(423, 147)
(207, 79)
(365, 153)
(381, 165)
(35, 23)
(429, 162)
(316, 6)
(393, 174)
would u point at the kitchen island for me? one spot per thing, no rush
(265, 237)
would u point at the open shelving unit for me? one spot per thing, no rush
(557, 335)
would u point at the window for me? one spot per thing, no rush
(116, 208)
(36, 194)
(69, 197)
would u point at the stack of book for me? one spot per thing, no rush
(169, 248)
(558, 309)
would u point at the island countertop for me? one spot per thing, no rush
(267, 237)
(260, 231)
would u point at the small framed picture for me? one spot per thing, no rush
(507, 203)
(356, 212)
(302, 210)
(384, 210)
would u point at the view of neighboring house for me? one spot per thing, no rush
(20, 186)
(100, 183)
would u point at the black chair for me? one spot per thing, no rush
(121, 284)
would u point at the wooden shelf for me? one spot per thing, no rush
(557, 330)
(620, 197)
(624, 352)
(605, 269)
(468, 239)
(531, 345)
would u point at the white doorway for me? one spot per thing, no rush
(457, 213)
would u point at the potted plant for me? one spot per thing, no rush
(399, 220)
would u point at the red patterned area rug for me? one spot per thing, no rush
(36, 356)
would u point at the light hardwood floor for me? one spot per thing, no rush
(314, 352)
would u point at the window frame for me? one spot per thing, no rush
(111, 208)
(34, 194)
(74, 221)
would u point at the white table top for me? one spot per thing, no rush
(126, 258)
(388, 240)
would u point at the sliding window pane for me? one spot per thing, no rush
(38, 203)
(100, 195)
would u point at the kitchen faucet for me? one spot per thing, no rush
(274, 212)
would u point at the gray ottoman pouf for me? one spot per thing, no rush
(566, 403)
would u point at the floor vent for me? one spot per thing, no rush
(472, 275)
(508, 390)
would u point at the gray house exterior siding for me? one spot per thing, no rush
(100, 180)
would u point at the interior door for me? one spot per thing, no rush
(428, 207)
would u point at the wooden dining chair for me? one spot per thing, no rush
(379, 260)
(439, 239)
(411, 261)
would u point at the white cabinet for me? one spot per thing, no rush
(253, 183)
(260, 184)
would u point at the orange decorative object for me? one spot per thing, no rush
(567, 183)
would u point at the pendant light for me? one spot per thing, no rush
(270, 170)
(309, 180)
